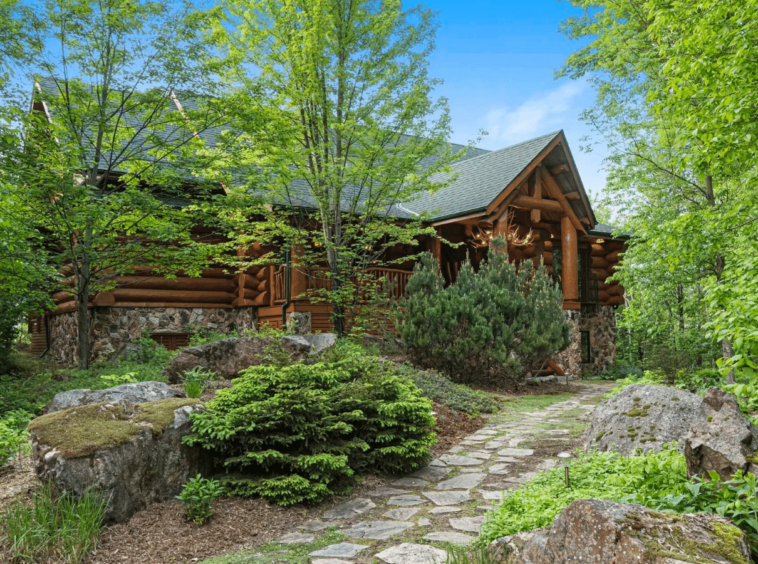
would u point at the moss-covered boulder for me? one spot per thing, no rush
(593, 531)
(133, 453)
(642, 417)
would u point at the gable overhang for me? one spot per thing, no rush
(556, 158)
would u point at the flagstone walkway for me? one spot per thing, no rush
(412, 520)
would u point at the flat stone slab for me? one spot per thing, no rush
(487, 432)
(433, 473)
(350, 509)
(564, 455)
(458, 539)
(341, 550)
(509, 459)
(410, 553)
(480, 455)
(516, 452)
(456, 449)
(314, 525)
(491, 495)
(494, 445)
(386, 492)
(443, 510)
(547, 464)
(400, 514)
(296, 538)
(437, 462)
(411, 483)
(424, 522)
(456, 460)
(378, 530)
(462, 482)
(469, 524)
(516, 441)
(472, 443)
(448, 498)
(498, 469)
(406, 500)
(472, 470)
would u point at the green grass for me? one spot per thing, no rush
(274, 553)
(511, 407)
(37, 382)
(52, 528)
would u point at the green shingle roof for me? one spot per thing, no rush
(479, 180)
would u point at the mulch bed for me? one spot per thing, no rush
(452, 426)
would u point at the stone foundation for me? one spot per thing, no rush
(601, 325)
(113, 328)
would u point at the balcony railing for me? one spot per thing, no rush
(396, 281)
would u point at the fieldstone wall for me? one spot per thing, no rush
(602, 328)
(113, 328)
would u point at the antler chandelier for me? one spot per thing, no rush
(482, 235)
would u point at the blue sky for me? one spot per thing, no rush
(497, 58)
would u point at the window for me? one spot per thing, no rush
(586, 347)
(171, 341)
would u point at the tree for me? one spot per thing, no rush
(493, 325)
(675, 100)
(106, 169)
(341, 89)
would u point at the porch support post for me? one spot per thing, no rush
(298, 281)
(437, 247)
(569, 264)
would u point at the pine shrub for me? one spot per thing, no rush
(299, 433)
(494, 324)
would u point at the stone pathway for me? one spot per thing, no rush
(412, 520)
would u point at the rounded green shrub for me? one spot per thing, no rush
(299, 433)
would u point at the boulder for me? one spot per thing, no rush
(593, 531)
(140, 392)
(132, 453)
(721, 439)
(642, 417)
(230, 356)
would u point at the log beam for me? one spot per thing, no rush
(569, 263)
(556, 193)
(537, 195)
(140, 295)
(534, 204)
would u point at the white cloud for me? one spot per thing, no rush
(536, 115)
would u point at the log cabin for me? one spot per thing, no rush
(529, 193)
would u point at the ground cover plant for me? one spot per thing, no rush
(13, 438)
(198, 496)
(299, 433)
(491, 325)
(597, 475)
(441, 389)
(276, 553)
(55, 527)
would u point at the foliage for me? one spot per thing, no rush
(478, 554)
(117, 379)
(350, 130)
(746, 394)
(681, 170)
(698, 381)
(196, 380)
(61, 527)
(648, 377)
(107, 73)
(494, 324)
(441, 389)
(13, 439)
(38, 384)
(198, 496)
(299, 433)
(598, 475)
(736, 499)
(149, 351)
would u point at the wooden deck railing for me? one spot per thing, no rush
(397, 281)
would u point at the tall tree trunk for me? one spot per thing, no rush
(82, 314)
(680, 305)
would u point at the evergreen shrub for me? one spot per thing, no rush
(494, 324)
(299, 433)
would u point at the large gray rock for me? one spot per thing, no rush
(605, 532)
(642, 417)
(721, 439)
(132, 453)
(140, 392)
(230, 356)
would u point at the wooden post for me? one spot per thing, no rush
(298, 278)
(537, 194)
(569, 264)
(437, 247)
